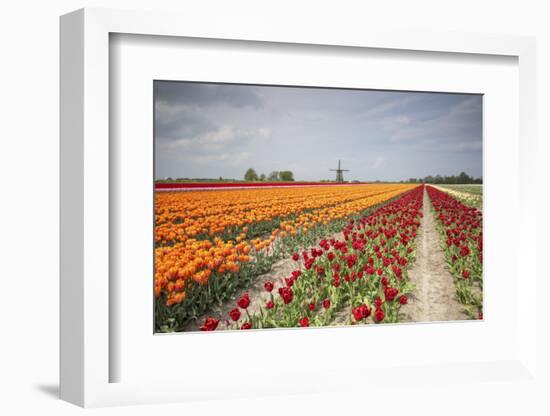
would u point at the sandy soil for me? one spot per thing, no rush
(434, 297)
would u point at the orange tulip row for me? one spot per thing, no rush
(180, 216)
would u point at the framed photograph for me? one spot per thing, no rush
(238, 208)
(305, 245)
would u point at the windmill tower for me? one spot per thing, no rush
(339, 173)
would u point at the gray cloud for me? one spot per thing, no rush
(205, 95)
(172, 122)
(211, 130)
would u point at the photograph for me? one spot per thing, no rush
(281, 206)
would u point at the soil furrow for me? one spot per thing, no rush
(434, 298)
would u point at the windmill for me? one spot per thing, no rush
(339, 173)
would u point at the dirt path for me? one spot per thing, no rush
(434, 297)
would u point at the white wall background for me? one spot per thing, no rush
(29, 205)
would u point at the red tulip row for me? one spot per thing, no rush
(461, 230)
(358, 279)
(187, 186)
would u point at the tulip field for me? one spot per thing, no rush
(470, 195)
(460, 226)
(299, 256)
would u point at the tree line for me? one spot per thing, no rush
(288, 176)
(462, 178)
(283, 175)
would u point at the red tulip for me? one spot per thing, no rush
(268, 286)
(235, 314)
(287, 294)
(379, 315)
(244, 301)
(210, 324)
(360, 312)
(390, 293)
(304, 322)
(357, 313)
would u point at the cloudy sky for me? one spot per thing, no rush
(212, 130)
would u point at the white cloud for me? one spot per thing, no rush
(411, 132)
(377, 110)
(167, 112)
(229, 158)
(393, 120)
(467, 146)
(264, 132)
(220, 138)
(378, 162)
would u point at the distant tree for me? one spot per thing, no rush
(250, 175)
(463, 178)
(220, 179)
(262, 177)
(286, 175)
(273, 176)
(169, 178)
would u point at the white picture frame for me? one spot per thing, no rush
(85, 353)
